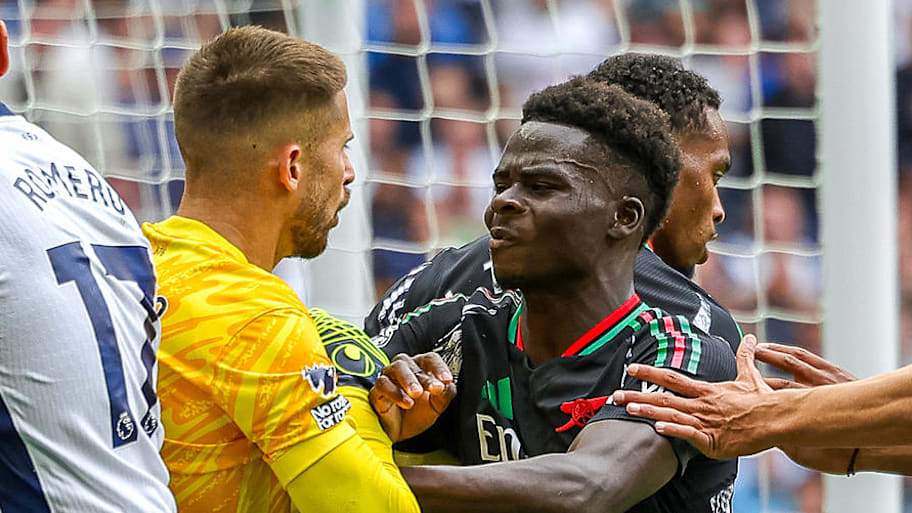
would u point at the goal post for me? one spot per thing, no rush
(859, 204)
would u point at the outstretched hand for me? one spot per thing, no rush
(411, 392)
(808, 369)
(715, 419)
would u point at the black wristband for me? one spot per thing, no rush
(851, 470)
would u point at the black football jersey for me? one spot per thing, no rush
(462, 270)
(507, 409)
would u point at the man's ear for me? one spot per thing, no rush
(628, 218)
(291, 162)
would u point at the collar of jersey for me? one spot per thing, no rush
(5, 111)
(597, 336)
(197, 231)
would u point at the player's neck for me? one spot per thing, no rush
(248, 229)
(556, 316)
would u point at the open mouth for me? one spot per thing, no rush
(501, 237)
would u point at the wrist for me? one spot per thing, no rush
(779, 419)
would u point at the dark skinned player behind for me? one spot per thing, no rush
(662, 277)
(581, 185)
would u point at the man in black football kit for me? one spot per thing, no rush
(581, 185)
(662, 276)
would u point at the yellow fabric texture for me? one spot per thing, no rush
(236, 352)
(334, 477)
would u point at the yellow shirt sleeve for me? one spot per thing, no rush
(369, 428)
(275, 381)
(372, 484)
(279, 386)
(349, 478)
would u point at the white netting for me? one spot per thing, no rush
(435, 88)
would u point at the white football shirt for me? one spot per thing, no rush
(79, 428)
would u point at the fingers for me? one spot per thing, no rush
(745, 356)
(663, 414)
(433, 366)
(680, 404)
(672, 422)
(786, 362)
(386, 393)
(672, 380)
(807, 367)
(783, 384)
(440, 402)
(697, 438)
(404, 372)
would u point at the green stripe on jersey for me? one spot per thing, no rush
(662, 353)
(628, 320)
(696, 347)
(421, 310)
(511, 330)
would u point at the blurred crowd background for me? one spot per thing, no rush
(99, 75)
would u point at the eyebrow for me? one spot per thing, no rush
(538, 169)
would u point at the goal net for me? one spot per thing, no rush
(435, 88)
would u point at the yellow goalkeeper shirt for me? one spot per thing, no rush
(248, 393)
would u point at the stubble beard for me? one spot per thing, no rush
(311, 236)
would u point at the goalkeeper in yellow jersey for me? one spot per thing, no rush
(254, 421)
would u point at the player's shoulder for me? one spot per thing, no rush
(481, 301)
(199, 267)
(49, 188)
(14, 128)
(656, 281)
(664, 287)
(350, 349)
(672, 341)
(452, 271)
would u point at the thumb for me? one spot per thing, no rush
(745, 359)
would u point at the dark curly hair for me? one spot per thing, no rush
(662, 80)
(632, 130)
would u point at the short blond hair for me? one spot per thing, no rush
(242, 80)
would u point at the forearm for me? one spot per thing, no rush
(600, 474)
(871, 412)
(368, 427)
(351, 478)
(893, 460)
(542, 484)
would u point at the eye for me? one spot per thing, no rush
(499, 187)
(542, 186)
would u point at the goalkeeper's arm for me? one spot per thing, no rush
(357, 475)
(348, 466)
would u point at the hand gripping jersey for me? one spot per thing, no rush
(506, 408)
(462, 270)
(79, 418)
